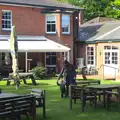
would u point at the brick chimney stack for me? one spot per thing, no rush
(81, 17)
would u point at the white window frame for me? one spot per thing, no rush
(10, 20)
(87, 56)
(111, 50)
(46, 23)
(68, 24)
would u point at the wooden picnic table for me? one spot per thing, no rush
(88, 82)
(23, 76)
(104, 87)
(7, 95)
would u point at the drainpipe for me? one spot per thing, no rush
(96, 56)
(75, 33)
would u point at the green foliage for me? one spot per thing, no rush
(98, 8)
(39, 72)
(78, 71)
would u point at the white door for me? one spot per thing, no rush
(111, 61)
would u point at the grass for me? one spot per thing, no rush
(57, 108)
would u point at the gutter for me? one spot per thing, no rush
(99, 41)
(50, 11)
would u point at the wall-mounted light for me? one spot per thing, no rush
(100, 50)
(76, 17)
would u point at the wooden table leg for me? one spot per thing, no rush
(24, 80)
(104, 102)
(33, 81)
(8, 82)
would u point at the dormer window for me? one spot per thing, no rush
(6, 20)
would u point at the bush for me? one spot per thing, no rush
(39, 72)
(78, 71)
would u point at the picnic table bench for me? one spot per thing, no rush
(13, 106)
(23, 76)
(88, 82)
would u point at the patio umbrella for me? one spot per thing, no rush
(14, 54)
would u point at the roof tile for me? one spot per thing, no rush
(54, 3)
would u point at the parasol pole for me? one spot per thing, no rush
(14, 54)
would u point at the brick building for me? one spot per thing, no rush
(39, 25)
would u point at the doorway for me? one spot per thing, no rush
(111, 61)
(51, 62)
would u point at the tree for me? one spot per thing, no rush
(95, 8)
(116, 9)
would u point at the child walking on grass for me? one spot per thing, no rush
(62, 87)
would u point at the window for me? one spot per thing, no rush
(66, 24)
(6, 20)
(50, 24)
(107, 47)
(90, 55)
(107, 57)
(110, 47)
(51, 58)
(111, 55)
(114, 58)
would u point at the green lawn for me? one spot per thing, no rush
(57, 108)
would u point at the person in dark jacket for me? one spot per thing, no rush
(69, 74)
(62, 87)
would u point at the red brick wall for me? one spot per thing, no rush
(28, 21)
(81, 49)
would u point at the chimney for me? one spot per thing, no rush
(81, 17)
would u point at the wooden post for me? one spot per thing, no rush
(115, 73)
(26, 65)
(103, 72)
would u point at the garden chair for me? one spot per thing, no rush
(84, 72)
(79, 92)
(40, 99)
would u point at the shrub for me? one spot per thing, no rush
(78, 71)
(39, 72)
